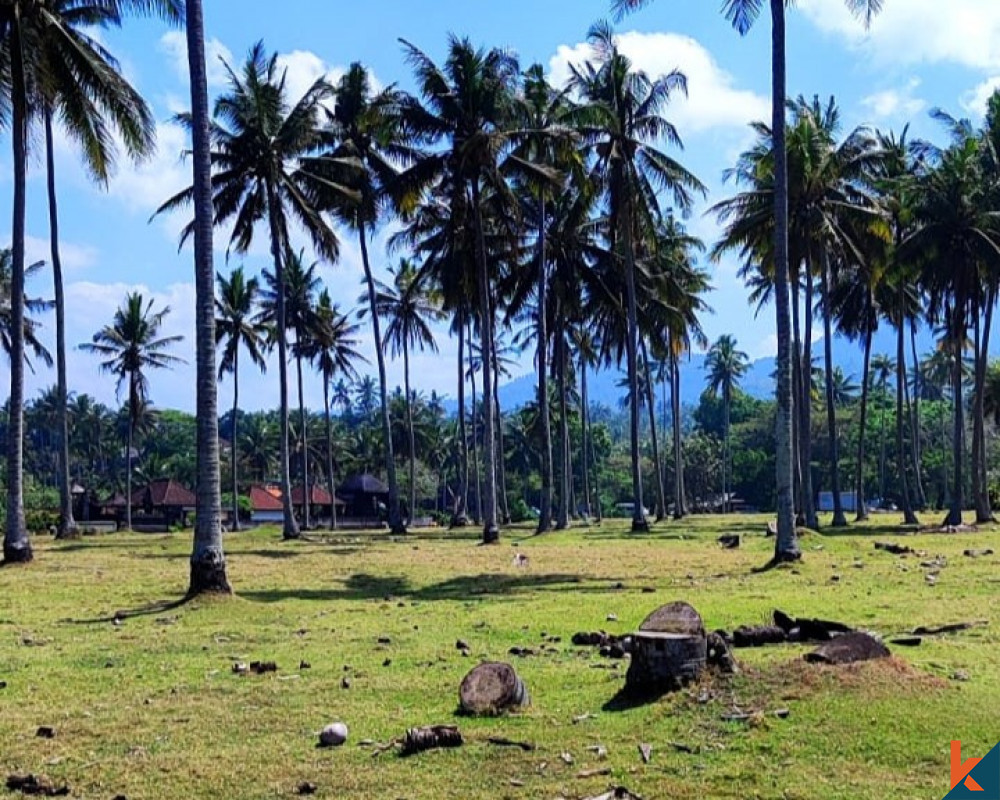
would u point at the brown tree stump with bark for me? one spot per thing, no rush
(669, 650)
(492, 688)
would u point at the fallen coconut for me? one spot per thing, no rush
(333, 735)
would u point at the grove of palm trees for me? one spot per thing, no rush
(542, 241)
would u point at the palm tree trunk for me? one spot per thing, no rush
(982, 494)
(680, 500)
(911, 451)
(639, 522)
(232, 445)
(458, 517)
(859, 485)
(478, 507)
(584, 437)
(545, 503)
(16, 545)
(727, 454)
(881, 436)
(797, 416)
(661, 498)
(491, 532)
(331, 486)
(67, 525)
(303, 441)
(208, 562)
(504, 509)
(805, 431)
(291, 525)
(909, 518)
(130, 438)
(839, 520)
(409, 428)
(918, 447)
(565, 478)
(395, 520)
(786, 544)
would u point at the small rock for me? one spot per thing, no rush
(333, 735)
(834, 579)
(345, 683)
(46, 732)
(646, 751)
(612, 618)
(461, 644)
(566, 758)
(239, 668)
(387, 662)
(978, 553)
(305, 665)
(599, 750)
(648, 590)
(931, 578)
(384, 640)
(306, 788)
(3, 684)
(961, 675)
(261, 667)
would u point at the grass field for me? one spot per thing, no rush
(150, 708)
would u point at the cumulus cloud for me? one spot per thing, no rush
(896, 103)
(965, 32)
(714, 100)
(976, 100)
(173, 44)
(75, 257)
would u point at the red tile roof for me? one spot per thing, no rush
(262, 500)
(317, 497)
(164, 493)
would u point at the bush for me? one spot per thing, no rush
(41, 522)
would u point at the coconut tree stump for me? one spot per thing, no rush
(492, 688)
(669, 650)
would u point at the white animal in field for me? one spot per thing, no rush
(520, 560)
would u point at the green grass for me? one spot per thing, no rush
(151, 709)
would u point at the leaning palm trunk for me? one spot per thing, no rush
(458, 517)
(839, 520)
(208, 563)
(304, 444)
(291, 525)
(545, 504)
(786, 544)
(330, 483)
(491, 532)
(16, 545)
(661, 498)
(410, 435)
(909, 518)
(859, 484)
(67, 525)
(395, 520)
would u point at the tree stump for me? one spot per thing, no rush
(492, 688)
(848, 649)
(669, 650)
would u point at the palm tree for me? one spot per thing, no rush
(260, 151)
(32, 305)
(466, 103)
(743, 14)
(725, 366)
(624, 107)
(300, 285)
(130, 347)
(238, 326)
(364, 129)
(883, 367)
(407, 309)
(330, 345)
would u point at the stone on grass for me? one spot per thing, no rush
(333, 735)
(849, 648)
(492, 688)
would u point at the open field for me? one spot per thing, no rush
(150, 708)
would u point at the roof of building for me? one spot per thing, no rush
(318, 496)
(362, 484)
(263, 500)
(165, 493)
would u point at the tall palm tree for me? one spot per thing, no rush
(130, 347)
(466, 105)
(331, 347)
(624, 108)
(261, 144)
(743, 14)
(407, 308)
(882, 368)
(299, 286)
(32, 305)
(725, 365)
(364, 129)
(238, 326)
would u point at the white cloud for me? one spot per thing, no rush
(965, 32)
(74, 257)
(713, 99)
(898, 103)
(976, 100)
(302, 69)
(174, 45)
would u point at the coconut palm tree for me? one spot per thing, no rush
(261, 144)
(330, 345)
(32, 305)
(725, 366)
(238, 326)
(131, 346)
(624, 110)
(299, 286)
(743, 14)
(407, 308)
(465, 105)
(883, 367)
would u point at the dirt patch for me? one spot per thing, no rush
(885, 677)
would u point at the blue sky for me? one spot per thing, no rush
(916, 57)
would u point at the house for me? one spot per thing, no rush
(265, 505)
(365, 497)
(320, 503)
(165, 501)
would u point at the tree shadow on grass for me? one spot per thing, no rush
(141, 611)
(464, 587)
(626, 699)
